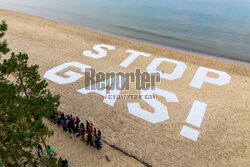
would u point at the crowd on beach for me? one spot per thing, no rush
(41, 153)
(87, 132)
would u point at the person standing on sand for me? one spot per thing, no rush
(62, 115)
(87, 126)
(99, 134)
(68, 124)
(91, 128)
(51, 151)
(63, 162)
(81, 125)
(85, 137)
(89, 141)
(80, 133)
(52, 117)
(76, 125)
(97, 142)
(72, 124)
(39, 150)
(99, 138)
(63, 122)
(59, 119)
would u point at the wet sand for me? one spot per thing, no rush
(224, 137)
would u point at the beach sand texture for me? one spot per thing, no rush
(224, 138)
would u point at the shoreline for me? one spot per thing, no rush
(194, 52)
(51, 44)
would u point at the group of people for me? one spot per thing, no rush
(73, 125)
(42, 152)
(51, 151)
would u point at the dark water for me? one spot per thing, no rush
(217, 27)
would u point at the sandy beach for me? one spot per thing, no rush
(224, 138)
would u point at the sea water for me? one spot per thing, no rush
(216, 27)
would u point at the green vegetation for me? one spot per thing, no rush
(24, 103)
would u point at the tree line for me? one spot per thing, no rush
(25, 102)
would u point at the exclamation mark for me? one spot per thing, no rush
(194, 118)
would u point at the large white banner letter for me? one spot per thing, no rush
(201, 76)
(132, 57)
(160, 111)
(177, 73)
(100, 51)
(73, 76)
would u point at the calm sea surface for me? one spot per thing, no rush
(217, 27)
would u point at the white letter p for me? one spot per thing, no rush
(201, 76)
